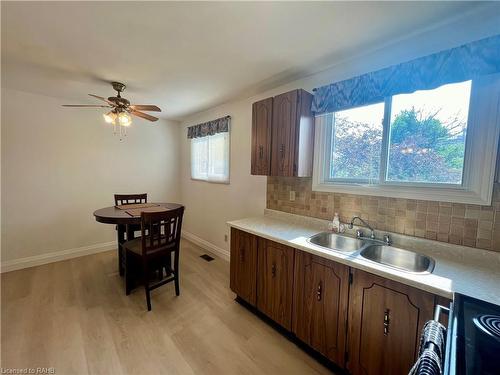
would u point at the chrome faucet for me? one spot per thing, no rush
(359, 233)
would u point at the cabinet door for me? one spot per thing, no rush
(275, 281)
(385, 321)
(262, 117)
(243, 265)
(320, 304)
(284, 133)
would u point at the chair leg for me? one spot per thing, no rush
(176, 273)
(169, 265)
(121, 238)
(128, 271)
(145, 272)
(120, 259)
(148, 297)
(160, 272)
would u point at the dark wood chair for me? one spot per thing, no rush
(160, 238)
(124, 199)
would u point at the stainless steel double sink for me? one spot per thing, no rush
(373, 250)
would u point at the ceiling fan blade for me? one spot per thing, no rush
(143, 115)
(103, 99)
(86, 106)
(145, 107)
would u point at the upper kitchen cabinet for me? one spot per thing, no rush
(283, 135)
(262, 118)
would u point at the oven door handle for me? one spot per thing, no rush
(438, 310)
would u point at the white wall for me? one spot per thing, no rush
(60, 164)
(210, 206)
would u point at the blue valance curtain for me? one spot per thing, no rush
(220, 125)
(458, 64)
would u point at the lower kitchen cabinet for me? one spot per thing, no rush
(385, 321)
(359, 321)
(243, 265)
(321, 290)
(275, 281)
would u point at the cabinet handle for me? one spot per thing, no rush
(386, 322)
(261, 152)
(273, 270)
(242, 255)
(282, 151)
(318, 292)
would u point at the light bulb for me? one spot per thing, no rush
(110, 117)
(124, 119)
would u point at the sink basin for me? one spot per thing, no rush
(333, 241)
(400, 259)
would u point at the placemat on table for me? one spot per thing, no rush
(136, 205)
(135, 212)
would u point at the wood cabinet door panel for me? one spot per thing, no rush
(284, 133)
(320, 304)
(385, 321)
(243, 265)
(275, 281)
(262, 117)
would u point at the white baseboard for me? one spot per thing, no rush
(55, 256)
(224, 254)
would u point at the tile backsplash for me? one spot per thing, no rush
(462, 224)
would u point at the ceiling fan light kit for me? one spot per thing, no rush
(121, 111)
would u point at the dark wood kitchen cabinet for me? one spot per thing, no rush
(359, 321)
(262, 118)
(292, 135)
(385, 321)
(243, 265)
(320, 301)
(275, 281)
(283, 135)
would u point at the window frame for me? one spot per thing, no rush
(212, 181)
(481, 147)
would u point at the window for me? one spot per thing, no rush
(356, 143)
(427, 135)
(210, 158)
(435, 144)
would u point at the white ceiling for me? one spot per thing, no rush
(186, 57)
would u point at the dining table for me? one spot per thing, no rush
(127, 219)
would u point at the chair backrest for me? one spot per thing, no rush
(163, 230)
(122, 199)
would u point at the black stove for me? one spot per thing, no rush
(473, 337)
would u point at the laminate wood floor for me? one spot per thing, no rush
(74, 316)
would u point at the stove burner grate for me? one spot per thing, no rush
(489, 324)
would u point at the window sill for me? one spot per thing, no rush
(211, 181)
(440, 194)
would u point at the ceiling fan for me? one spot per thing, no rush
(121, 108)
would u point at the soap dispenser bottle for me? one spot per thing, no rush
(336, 223)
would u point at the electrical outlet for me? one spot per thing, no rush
(225, 238)
(292, 195)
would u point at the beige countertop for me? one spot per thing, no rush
(461, 269)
